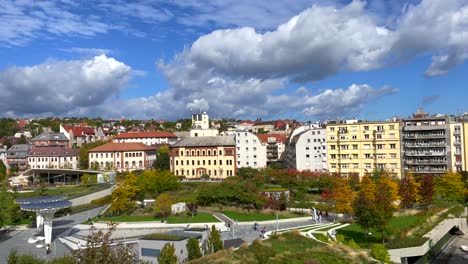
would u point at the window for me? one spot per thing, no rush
(355, 165)
(393, 156)
(366, 136)
(355, 156)
(366, 128)
(344, 147)
(332, 129)
(220, 162)
(378, 136)
(367, 156)
(367, 166)
(333, 165)
(308, 140)
(354, 137)
(366, 146)
(332, 146)
(333, 156)
(392, 127)
(332, 138)
(393, 146)
(379, 146)
(220, 153)
(307, 156)
(355, 146)
(391, 135)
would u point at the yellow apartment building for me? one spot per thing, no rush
(357, 148)
(193, 157)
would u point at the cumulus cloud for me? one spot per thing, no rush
(61, 86)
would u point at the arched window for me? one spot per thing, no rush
(203, 153)
(140, 164)
(198, 153)
(220, 152)
(118, 164)
(187, 153)
(193, 153)
(133, 164)
(214, 152)
(209, 152)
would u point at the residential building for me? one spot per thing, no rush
(50, 139)
(307, 149)
(465, 144)
(122, 156)
(263, 126)
(358, 148)
(426, 144)
(79, 135)
(17, 156)
(251, 152)
(53, 157)
(194, 157)
(457, 150)
(275, 146)
(201, 126)
(3, 154)
(147, 138)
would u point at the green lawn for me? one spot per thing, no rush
(173, 219)
(320, 237)
(250, 217)
(71, 192)
(187, 192)
(355, 232)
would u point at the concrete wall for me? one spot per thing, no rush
(93, 196)
(434, 236)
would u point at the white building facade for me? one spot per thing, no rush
(307, 150)
(147, 138)
(251, 152)
(53, 158)
(122, 156)
(201, 126)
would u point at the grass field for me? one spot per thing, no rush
(355, 232)
(250, 217)
(187, 192)
(173, 219)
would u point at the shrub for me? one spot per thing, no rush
(353, 244)
(102, 201)
(380, 252)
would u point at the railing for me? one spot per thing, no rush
(425, 136)
(425, 153)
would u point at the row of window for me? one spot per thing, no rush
(366, 136)
(117, 164)
(366, 156)
(203, 162)
(201, 172)
(49, 159)
(204, 153)
(50, 166)
(117, 155)
(367, 166)
(365, 128)
(365, 146)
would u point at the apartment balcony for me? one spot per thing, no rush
(425, 162)
(457, 143)
(456, 132)
(430, 170)
(425, 145)
(422, 136)
(457, 153)
(420, 154)
(424, 128)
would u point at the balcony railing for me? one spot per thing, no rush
(410, 153)
(424, 136)
(423, 162)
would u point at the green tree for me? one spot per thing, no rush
(123, 197)
(450, 187)
(162, 159)
(214, 243)
(193, 249)
(167, 255)
(385, 198)
(364, 202)
(156, 182)
(380, 252)
(7, 204)
(3, 170)
(22, 139)
(262, 253)
(247, 173)
(162, 205)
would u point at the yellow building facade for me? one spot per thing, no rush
(194, 157)
(360, 148)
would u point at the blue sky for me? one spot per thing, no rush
(303, 59)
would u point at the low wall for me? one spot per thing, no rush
(434, 236)
(86, 199)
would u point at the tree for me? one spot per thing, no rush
(22, 139)
(342, 196)
(193, 249)
(247, 173)
(99, 249)
(408, 190)
(450, 187)
(162, 158)
(7, 204)
(380, 252)
(162, 205)
(156, 182)
(364, 202)
(426, 189)
(214, 242)
(124, 195)
(167, 255)
(83, 154)
(3, 170)
(385, 205)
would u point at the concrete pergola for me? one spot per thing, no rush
(45, 208)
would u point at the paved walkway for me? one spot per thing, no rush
(18, 239)
(452, 253)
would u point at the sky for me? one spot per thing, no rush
(166, 59)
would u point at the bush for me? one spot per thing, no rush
(380, 252)
(102, 201)
(353, 244)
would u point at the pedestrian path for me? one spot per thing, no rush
(309, 230)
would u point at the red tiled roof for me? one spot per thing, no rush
(121, 147)
(156, 134)
(279, 137)
(245, 122)
(79, 131)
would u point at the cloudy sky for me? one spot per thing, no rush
(301, 59)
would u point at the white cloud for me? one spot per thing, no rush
(89, 51)
(59, 87)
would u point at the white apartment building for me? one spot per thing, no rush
(147, 138)
(123, 156)
(251, 152)
(53, 158)
(307, 149)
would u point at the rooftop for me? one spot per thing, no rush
(109, 147)
(53, 151)
(277, 137)
(155, 134)
(50, 136)
(205, 141)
